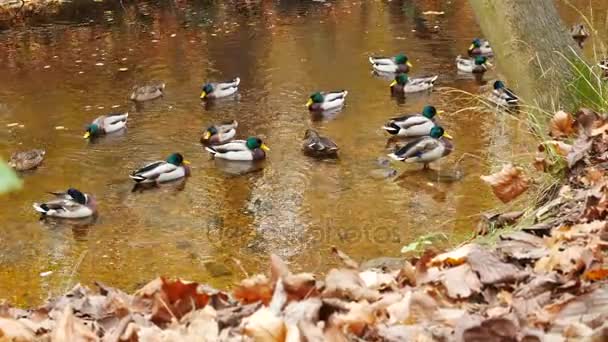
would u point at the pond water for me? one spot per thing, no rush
(67, 72)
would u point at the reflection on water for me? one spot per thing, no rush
(292, 205)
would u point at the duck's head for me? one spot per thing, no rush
(77, 196)
(400, 79)
(314, 98)
(177, 159)
(475, 44)
(429, 112)
(402, 59)
(310, 133)
(207, 89)
(498, 85)
(209, 132)
(438, 132)
(254, 142)
(480, 60)
(93, 130)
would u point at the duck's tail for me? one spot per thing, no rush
(391, 128)
(211, 150)
(371, 60)
(42, 208)
(395, 157)
(137, 178)
(236, 81)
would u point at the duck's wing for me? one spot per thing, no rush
(28, 155)
(226, 126)
(233, 146)
(422, 80)
(415, 148)
(381, 60)
(112, 119)
(152, 170)
(230, 84)
(63, 208)
(328, 144)
(335, 95)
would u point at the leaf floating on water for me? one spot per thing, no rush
(123, 69)
(508, 183)
(13, 124)
(99, 64)
(561, 125)
(59, 128)
(47, 66)
(433, 13)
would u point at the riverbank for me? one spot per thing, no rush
(546, 282)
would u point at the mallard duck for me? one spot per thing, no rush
(221, 89)
(502, 95)
(240, 150)
(219, 134)
(321, 101)
(480, 47)
(603, 64)
(404, 84)
(27, 160)
(476, 65)
(414, 125)
(579, 33)
(425, 149)
(318, 146)
(147, 92)
(106, 124)
(399, 63)
(70, 204)
(173, 168)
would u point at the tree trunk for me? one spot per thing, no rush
(532, 46)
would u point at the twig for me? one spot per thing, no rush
(76, 267)
(240, 265)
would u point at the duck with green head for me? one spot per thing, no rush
(503, 96)
(251, 149)
(216, 90)
(322, 101)
(71, 204)
(425, 149)
(404, 84)
(173, 168)
(480, 47)
(413, 125)
(399, 63)
(476, 65)
(106, 124)
(219, 134)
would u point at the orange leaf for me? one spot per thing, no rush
(561, 125)
(507, 184)
(597, 274)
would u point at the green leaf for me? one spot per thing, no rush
(8, 179)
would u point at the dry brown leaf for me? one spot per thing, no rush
(585, 309)
(377, 280)
(460, 281)
(348, 261)
(560, 147)
(70, 328)
(600, 130)
(253, 289)
(567, 260)
(454, 257)
(265, 326)
(489, 267)
(508, 183)
(359, 316)
(581, 146)
(346, 284)
(561, 125)
(494, 329)
(14, 331)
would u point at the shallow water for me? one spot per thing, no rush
(293, 205)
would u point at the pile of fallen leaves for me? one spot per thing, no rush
(547, 282)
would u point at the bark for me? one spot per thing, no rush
(527, 38)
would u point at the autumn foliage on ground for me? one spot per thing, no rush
(547, 282)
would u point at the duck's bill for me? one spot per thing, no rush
(265, 148)
(187, 162)
(203, 94)
(448, 136)
(207, 135)
(308, 103)
(409, 64)
(393, 83)
(472, 47)
(87, 135)
(489, 64)
(440, 112)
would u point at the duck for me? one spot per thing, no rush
(404, 84)
(26, 160)
(476, 65)
(480, 47)
(147, 92)
(218, 90)
(603, 64)
(413, 125)
(399, 63)
(173, 168)
(72, 203)
(425, 150)
(322, 101)
(219, 134)
(105, 124)
(251, 149)
(503, 96)
(579, 33)
(317, 145)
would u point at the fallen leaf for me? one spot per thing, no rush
(460, 281)
(358, 317)
(346, 284)
(561, 125)
(377, 280)
(71, 328)
(253, 289)
(264, 326)
(581, 146)
(596, 274)
(508, 183)
(348, 261)
(14, 331)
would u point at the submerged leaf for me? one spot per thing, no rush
(507, 184)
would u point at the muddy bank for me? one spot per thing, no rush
(547, 282)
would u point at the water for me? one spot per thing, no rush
(293, 206)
